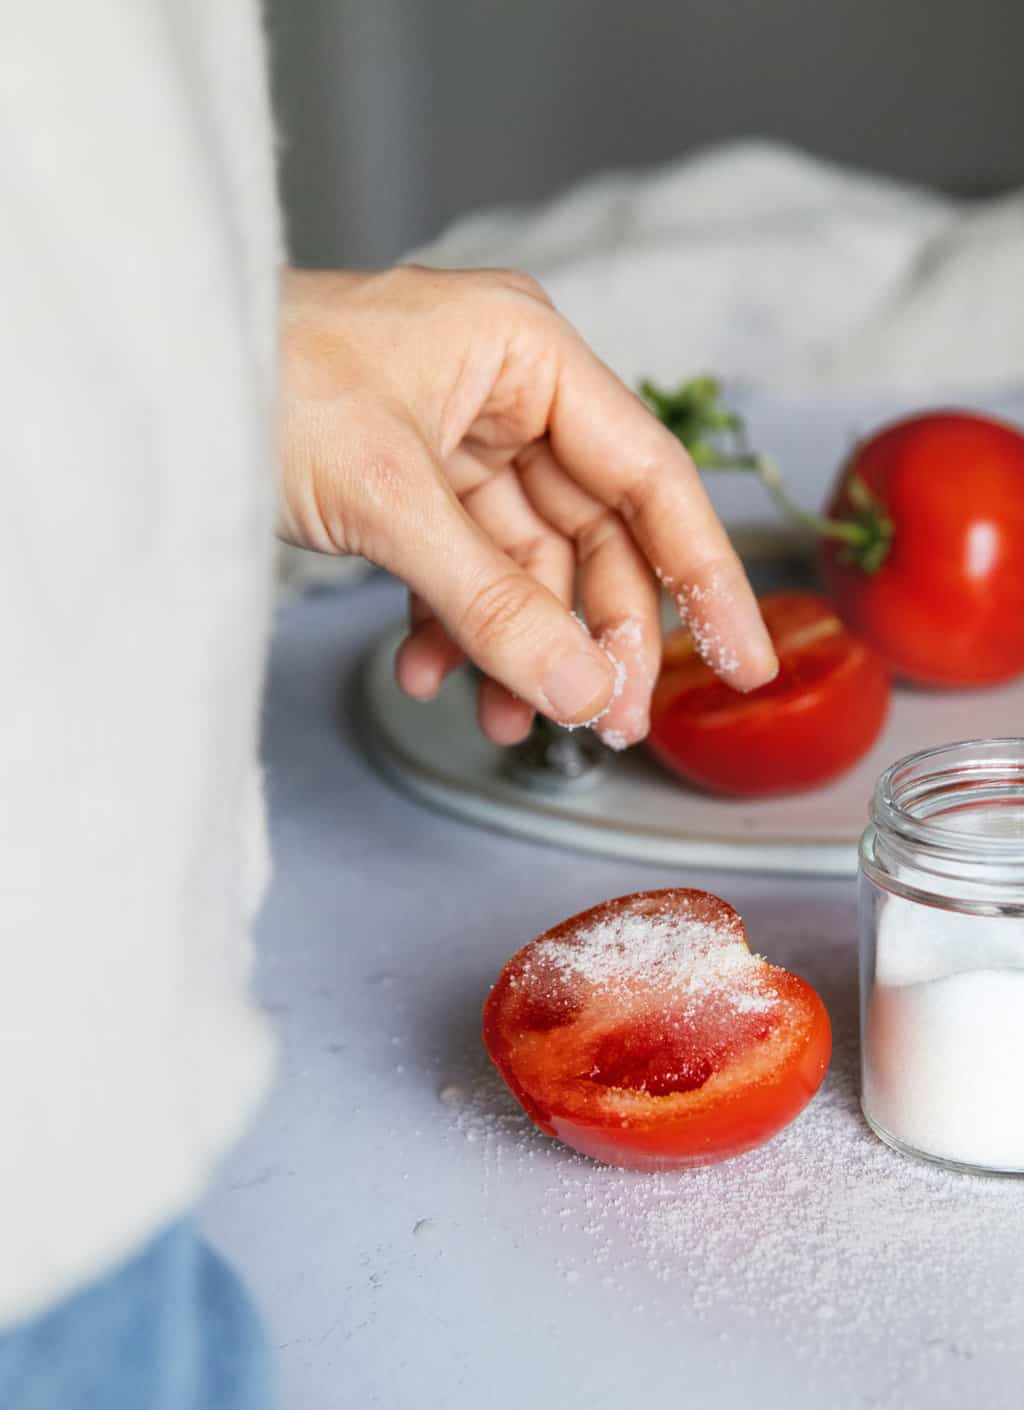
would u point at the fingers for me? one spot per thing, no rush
(497, 503)
(499, 506)
(427, 655)
(618, 452)
(502, 716)
(618, 591)
(503, 510)
(519, 634)
(512, 626)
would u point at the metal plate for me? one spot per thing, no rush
(636, 810)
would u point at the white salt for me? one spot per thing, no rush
(452, 1094)
(893, 1282)
(675, 954)
(628, 632)
(944, 1034)
(692, 604)
(620, 675)
(623, 644)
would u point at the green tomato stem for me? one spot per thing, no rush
(765, 469)
(694, 414)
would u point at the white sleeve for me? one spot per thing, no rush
(139, 249)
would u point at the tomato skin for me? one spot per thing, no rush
(740, 1107)
(823, 711)
(946, 607)
(746, 1121)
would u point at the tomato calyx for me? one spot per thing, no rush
(716, 438)
(870, 548)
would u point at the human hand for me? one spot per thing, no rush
(454, 429)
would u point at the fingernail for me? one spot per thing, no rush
(578, 685)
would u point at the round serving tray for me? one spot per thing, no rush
(634, 809)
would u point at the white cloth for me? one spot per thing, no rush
(775, 269)
(139, 252)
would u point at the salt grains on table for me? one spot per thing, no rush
(874, 1275)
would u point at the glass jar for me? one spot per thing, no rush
(942, 956)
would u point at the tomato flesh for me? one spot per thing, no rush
(821, 713)
(946, 607)
(645, 1034)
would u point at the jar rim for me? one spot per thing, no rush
(932, 774)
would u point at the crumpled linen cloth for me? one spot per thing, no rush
(773, 269)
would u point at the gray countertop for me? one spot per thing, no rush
(414, 1245)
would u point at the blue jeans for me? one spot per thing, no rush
(172, 1329)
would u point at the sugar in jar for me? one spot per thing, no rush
(942, 956)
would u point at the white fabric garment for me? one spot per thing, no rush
(772, 268)
(139, 255)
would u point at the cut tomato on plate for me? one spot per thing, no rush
(645, 1034)
(819, 715)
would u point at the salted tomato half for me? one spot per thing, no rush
(644, 1033)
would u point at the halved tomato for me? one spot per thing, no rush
(645, 1034)
(819, 715)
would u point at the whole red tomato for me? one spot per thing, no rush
(819, 715)
(942, 495)
(645, 1034)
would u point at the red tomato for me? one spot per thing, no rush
(822, 711)
(644, 1033)
(946, 606)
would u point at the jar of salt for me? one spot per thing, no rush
(942, 956)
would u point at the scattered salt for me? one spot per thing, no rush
(682, 956)
(628, 632)
(620, 676)
(911, 1272)
(452, 1094)
(714, 651)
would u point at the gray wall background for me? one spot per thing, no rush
(397, 115)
